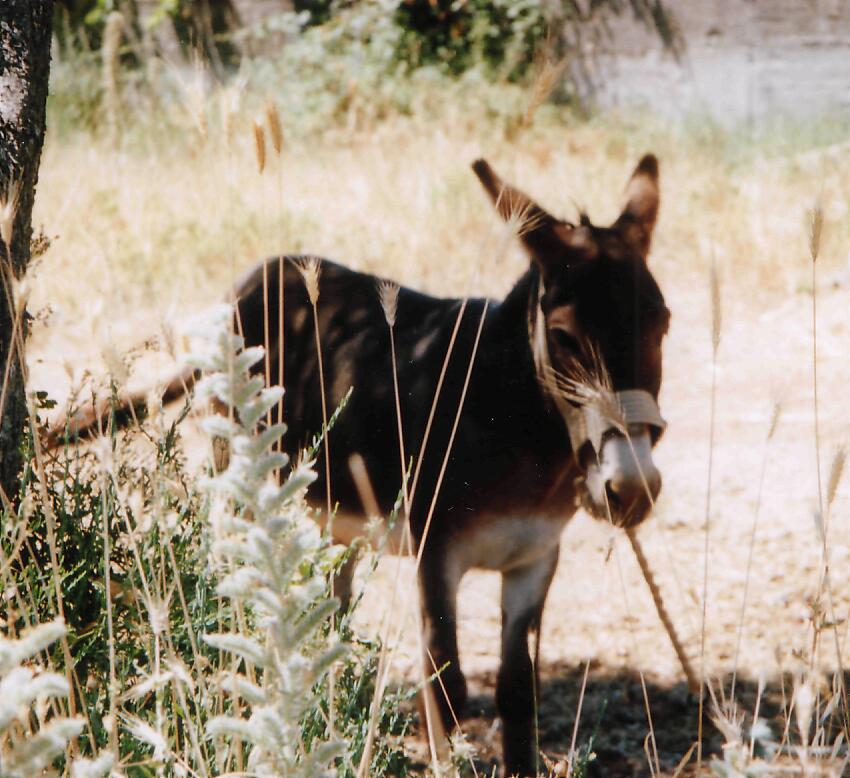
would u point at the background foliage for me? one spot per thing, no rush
(505, 37)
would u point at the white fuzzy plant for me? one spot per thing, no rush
(27, 750)
(273, 562)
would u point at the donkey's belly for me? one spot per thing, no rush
(507, 542)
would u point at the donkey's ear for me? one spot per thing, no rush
(543, 235)
(641, 210)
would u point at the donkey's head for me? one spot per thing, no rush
(596, 322)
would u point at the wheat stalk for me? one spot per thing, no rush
(267, 352)
(546, 79)
(628, 609)
(716, 330)
(815, 235)
(388, 295)
(194, 91)
(229, 100)
(436, 737)
(571, 754)
(112, 33)
(275, 130)
(774, 421)
(310, 268)
(835, 473)
(259, 145)
(280, 335)
(9, 199)
(15, 303)
(51, 525)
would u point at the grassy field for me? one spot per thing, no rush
(149, 227)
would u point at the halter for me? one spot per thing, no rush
(585, 424)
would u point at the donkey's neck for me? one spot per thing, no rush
(507, 362)
(513, 323)
(520, 303)
(508, 414)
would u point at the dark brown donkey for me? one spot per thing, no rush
(521, 455)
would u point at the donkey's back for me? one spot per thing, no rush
(503, 450)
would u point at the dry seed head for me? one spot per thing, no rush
(545, 81)
(309, 267)
(153, 405)
(728, 719)
(157, 614)
(21, 296)
(169, 338)
(522, 223)
(388, 292)
(519, 220)
(835, 473)
(815, 231)
(774, 420)
(259, 145)
(229, 100)
(102, 448)
(275, 130)
(591, 386)
(805, 699)
(716, 310)
(114, 363)
(27, 507)
(9, 210)
(196, 92)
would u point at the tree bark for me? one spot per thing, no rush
(25, 32)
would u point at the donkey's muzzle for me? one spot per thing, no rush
(623, 482)
(631, 495)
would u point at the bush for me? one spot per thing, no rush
(163, 652)
(366, 58)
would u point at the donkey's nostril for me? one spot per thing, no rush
(614, 502)
(625, 491)
(629, 495)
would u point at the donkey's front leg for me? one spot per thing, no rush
(523, 595)
(438, 582)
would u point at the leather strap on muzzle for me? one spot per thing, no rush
(585, 423)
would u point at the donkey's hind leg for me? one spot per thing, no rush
(524, 592)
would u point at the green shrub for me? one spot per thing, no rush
(126, 545)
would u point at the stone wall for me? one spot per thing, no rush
(745, 60)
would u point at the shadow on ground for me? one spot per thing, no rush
(613, 725)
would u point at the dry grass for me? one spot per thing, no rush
(169, 224)
(148, 233)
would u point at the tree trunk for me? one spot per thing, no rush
(25, 30)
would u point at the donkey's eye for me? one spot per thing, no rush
(564, 339)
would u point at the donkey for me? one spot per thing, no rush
(507, 458)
